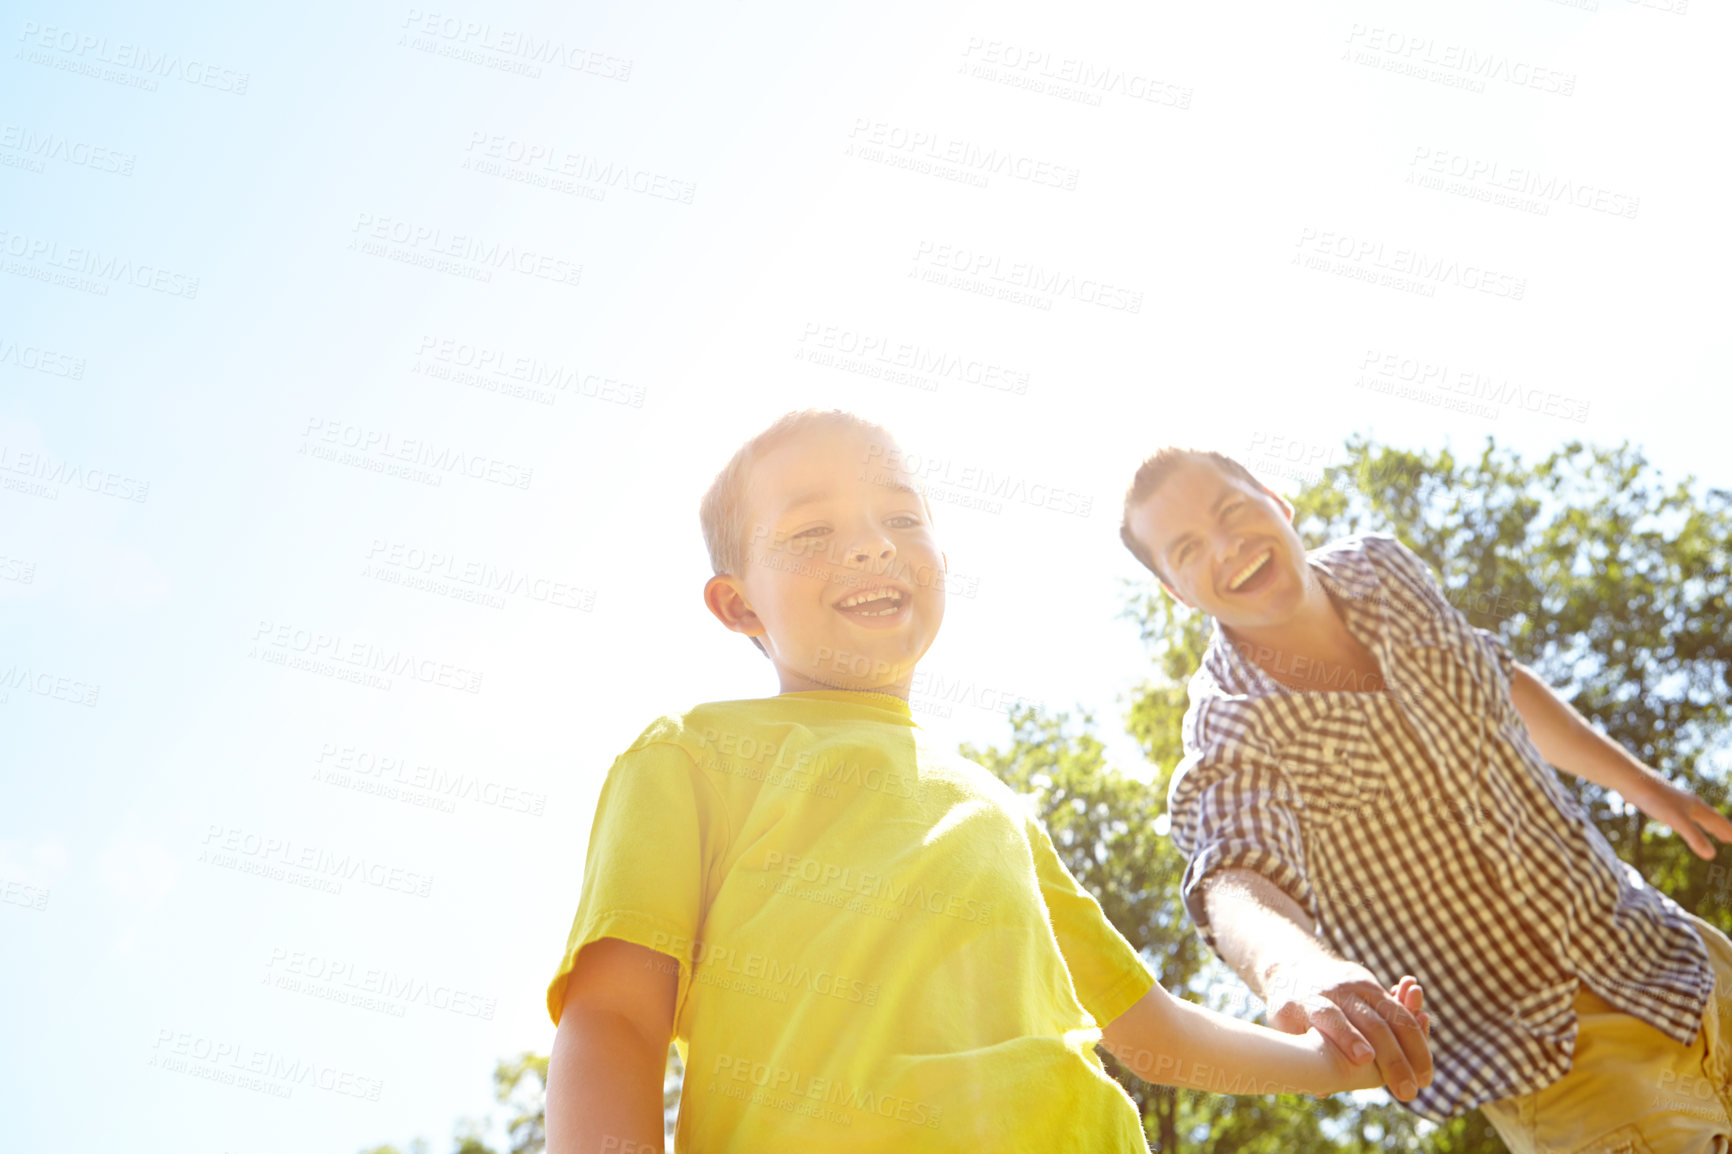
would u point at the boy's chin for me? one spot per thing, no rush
(864, 669)
(851, 684)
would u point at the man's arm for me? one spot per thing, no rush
(604, 1077)
(1272, 944)
(1566, 740)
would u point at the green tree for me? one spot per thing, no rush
(672, 1083)
(520, 1085)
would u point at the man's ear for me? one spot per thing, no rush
(1285, 505)
(724, 598)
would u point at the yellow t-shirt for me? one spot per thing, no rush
(878, 948)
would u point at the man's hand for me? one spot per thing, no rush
(1565, 739)
(1349, 1076)
(1346, 1003)
(1683, 812)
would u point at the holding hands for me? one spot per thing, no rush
(1357, 1021)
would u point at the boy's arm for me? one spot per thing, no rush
(1566, 740)
(1171, 1042)
(604, 1076)
(1270, 942)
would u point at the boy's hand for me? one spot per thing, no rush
(1348, 1075)
(1362, 1019)
(1683, 812)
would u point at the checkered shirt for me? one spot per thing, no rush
(1425, 835)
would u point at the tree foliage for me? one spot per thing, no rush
(520, 1086)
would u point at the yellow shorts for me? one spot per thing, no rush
(1632, 1089)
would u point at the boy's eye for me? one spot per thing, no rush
(1182, 552)
(905, 521)
(812, 532)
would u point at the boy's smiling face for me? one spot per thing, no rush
(844, 582)
(1224, 546)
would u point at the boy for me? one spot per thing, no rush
(859, 941)
(1363, 791)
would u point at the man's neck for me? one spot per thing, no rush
(1316, 633)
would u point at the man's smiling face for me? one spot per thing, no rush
(1224, 545)
(844, 580)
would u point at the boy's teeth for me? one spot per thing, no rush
(858, 599)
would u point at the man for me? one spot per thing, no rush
(1366, 792)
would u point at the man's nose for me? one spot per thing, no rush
(1228, 544)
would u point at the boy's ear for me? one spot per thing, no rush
(724, 598)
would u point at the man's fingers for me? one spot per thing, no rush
(1695, 839)
(1413, 997)
(1399, 1040)
(1392, 1060)
(1413, 1000)
(1333, 1024)
(1412, 1037)
(1711, 820)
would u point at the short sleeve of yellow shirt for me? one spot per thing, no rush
(877, 946)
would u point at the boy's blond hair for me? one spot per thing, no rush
(723, 510)
(1152, 473)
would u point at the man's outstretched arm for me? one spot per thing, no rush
(1566, 740)
(1271, 942)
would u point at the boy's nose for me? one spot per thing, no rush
(866, 551)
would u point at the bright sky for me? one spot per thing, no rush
(279, 288)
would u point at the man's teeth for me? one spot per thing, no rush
(1245, 574)
(893, 598)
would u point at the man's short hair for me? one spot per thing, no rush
(1152, 474)
(723, 510)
